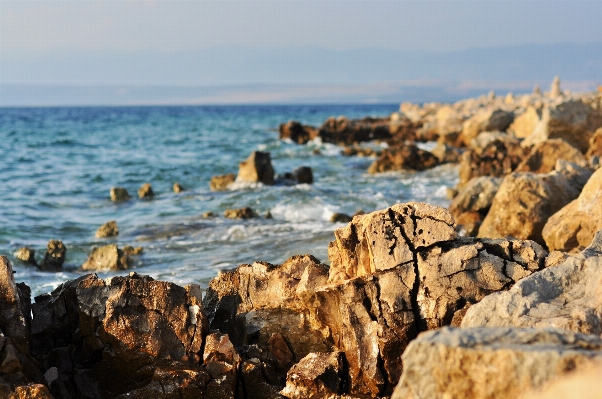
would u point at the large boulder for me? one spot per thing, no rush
(404, 157)
(486, 120)
(501, 363)
(572, 120)
(297, 132)
(575, 225)
(525, 201)
(107, 257)
(543, 156)
(103, 338)
(567, 295)
(257, 168)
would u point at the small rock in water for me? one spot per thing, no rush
(268, 215)
(242, 213)
(27, 255)
(257, 168)
(54, 257)
(221, 182)
(340, 218)
(208, 214)
(177, 188)
(109, 229)
(129, 250)
(303, 175)
(119, 194)
(108, 257)
(146, 191)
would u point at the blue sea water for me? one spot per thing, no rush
(58, 165)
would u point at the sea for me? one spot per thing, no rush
(59, 164)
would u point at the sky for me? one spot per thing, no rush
(154, 42)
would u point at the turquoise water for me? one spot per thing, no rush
(58, 165)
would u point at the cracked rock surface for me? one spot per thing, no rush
(501, 363)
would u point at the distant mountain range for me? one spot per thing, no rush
(291, 74)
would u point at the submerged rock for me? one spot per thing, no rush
(479, 363)
(109, 229)
(242, 213)
(54, 257)
(146, 191)
(221, 182)
(575, 225)
(257, 168)
(177, 188)
(119, 194)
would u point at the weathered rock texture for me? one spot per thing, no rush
(486, 120)
(129, 334)
(500, 363)
(317, 375)
(473, 201)
(407, 156)
(107, 257)
(525, 201)
(582, 383)
(567, 295)
(543, 156)
(524, 124)
(574, 225)
(572, 120)
(221, 182)
(595, 144)
(119, 194)
(26, 255)
(54, 257)
(256, 168)
(109, 229)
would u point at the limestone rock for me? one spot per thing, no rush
(485, 121)
(317, 375)
(476, 196)
(543, 156)
(386, 239)
(222, 362)
(146, 191)
(572, 120)
(221, 182)
(525, 201)
(107, 257)
(242, 213)
(524, 124)
(575, 225)
(567, 295)
(119, 194)
(111, 337)
(297, 132)
(404, 157)
(583, 383)
(446, 153)
(54, 257)
(500, 363)
(26, 255)
(109, 229)
(177, 188)
(481, 142)
(595, 144)
(256, 168)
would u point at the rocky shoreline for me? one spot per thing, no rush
(497, 296)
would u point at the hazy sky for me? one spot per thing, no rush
(48, 26)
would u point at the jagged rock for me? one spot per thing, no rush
(575, 225)
(109, 229)
(343, 131)
(497, 159)
(486, 120)
(582, 383)
(119, 194)
(174, 382)
(303, 175)
(54, 257)
(297, 132)
(543, 156)
(595, 144)
(476, 196)
(446, 153)
(385, 239)
(481, 142)
(146, 191)
(525, 201)
(340, 218)
(26, 255)
(407, 156)
(221, 182)
(107, 257)
(177, 188)
(317, 375)
(242, 213)
(255, 382)
(256, 168)
(484, 363)
(221, 361)
(30, 391)
(111, 337)
(524, 124)
(565, 296)
(572, 120)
